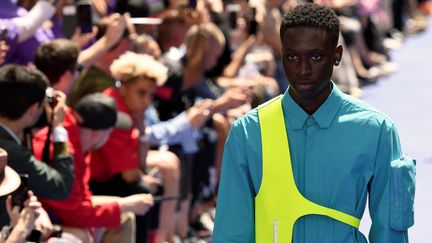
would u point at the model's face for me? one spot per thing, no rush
(308, 57)
(138, 95)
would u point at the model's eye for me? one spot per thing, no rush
(316, 57)
(292, 57)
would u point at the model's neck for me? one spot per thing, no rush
(312, 105)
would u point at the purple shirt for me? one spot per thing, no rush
(21, 53)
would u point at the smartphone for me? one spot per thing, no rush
(157, 199)
(84, 16)
(232, 10)
(3, 33)
(232, 18)
(20, 195)
(253, 25)
(69, 19)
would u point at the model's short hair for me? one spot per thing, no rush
(56, 57)
(132, 66)
(312, 15)
(20, 87)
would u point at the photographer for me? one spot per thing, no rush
(22, 100)
(22, 221)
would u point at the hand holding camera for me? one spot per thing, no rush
(24, 217)
(55, 107)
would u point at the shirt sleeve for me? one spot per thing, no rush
(382, 189)
(106, 215)
(174, 131)
(49, 182)
(29, 23)
(235, 206)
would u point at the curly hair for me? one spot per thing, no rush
(312, 15)
(130, 66)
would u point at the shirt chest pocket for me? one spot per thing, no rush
(402, 192)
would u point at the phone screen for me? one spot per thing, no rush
(232, 17)
(20, 195)
(232, 10)
(253, 27)
(69, 12)
(3, 33)
(84, 16)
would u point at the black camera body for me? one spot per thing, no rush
(50, 99)
(20, 195)
(49, 96)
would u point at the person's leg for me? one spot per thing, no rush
(83, 234)
(116, 186)
(169, 166)
(186, 195)
(123, 234)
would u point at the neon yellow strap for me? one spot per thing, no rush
(279, 204)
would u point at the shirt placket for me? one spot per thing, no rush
(310, 129)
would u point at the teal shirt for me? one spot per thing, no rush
(341, 154)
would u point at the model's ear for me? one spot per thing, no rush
(338, 55)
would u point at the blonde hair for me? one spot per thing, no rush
(131, 66)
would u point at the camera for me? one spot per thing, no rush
(51, 100)
(20, 195)
(49, 96)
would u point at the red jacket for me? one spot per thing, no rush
(120, 153)
(77, 210)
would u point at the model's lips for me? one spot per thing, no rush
(304, 83)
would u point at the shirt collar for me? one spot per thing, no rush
(12, 134)
(296, 116)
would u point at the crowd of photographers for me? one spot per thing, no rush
(114, 114)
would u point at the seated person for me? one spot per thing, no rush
(22, 100)
(22, 223)
(89, 125)
(118, 167)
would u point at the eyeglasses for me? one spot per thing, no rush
(76, 69)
